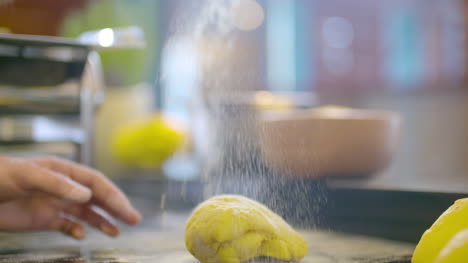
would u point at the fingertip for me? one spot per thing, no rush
(69, 226)
(78, 233)
(110, 230)
(133, 218)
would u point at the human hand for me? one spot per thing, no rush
(51, 194)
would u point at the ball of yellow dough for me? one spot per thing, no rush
(456, 251)
(234, 229)
(451, 222)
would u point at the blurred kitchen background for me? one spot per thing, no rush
(171, 108)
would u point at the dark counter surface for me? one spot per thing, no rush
(160, 237)
(162, 240)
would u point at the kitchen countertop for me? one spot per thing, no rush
(396, 215)
(160, 239)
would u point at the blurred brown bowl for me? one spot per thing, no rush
(329, 141)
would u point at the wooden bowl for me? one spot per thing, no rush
(329, 141)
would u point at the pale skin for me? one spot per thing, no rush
(59, 195)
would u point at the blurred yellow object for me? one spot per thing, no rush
(147, 143)
(332, 109)
(265, 100)
(456, 251)
(4, 30)
(451, 222)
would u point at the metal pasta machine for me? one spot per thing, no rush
(50, 89)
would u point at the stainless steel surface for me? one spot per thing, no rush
(129, 37)
(15, 39)
(65, 150)
(50, 89)
(33, 128)
(124, 37)
(42, 76)
(90, 98)
(53, 76)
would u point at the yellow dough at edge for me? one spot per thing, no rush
(451, 222)
(234, 229)
(456, 250)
